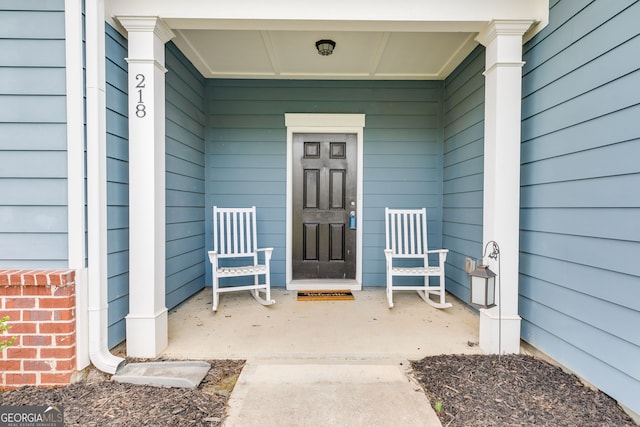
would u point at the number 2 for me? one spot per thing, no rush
(141, 78)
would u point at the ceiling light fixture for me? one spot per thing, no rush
(325, 47)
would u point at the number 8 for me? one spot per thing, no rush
(140, 110)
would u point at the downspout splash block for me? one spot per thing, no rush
(184, 374)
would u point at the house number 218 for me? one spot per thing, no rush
(141, 109)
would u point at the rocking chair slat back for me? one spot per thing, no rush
(234, 231)
(406, 233)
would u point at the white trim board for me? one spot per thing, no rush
(324, 123)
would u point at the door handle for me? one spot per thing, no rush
(352, 220)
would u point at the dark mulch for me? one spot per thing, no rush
(477, 390)
(512, 390)
(97, 401)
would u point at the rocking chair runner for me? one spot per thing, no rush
(235, 236)
(406, 238)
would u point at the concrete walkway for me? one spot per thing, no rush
(328, 393)
(319, 363)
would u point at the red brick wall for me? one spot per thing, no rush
(41, 309)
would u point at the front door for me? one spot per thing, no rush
(324, 206)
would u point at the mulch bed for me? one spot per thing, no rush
(477, 390)
(97, 401)
(512, 390)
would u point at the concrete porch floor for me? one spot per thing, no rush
(360, 329)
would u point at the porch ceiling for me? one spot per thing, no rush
(405, 39)
(292, 54)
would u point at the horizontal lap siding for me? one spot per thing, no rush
(246, 154)
(463, 169)
(185, 248)
(580, 234)
(117, 184)
(33, 176)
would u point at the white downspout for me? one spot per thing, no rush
(76, 224)
(99, 352)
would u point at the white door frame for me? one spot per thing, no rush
(324, 123)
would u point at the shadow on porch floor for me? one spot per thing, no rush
(363, 328)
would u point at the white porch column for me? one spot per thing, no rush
(147, 323)
(503, 97)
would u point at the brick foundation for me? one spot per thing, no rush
(41, 309)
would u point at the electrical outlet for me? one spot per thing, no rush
(469, 265)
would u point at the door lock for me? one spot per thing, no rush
(352, 220)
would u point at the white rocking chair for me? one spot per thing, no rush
(406, 239)
(234, 236)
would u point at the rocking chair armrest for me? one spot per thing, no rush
(213, 257)
(267, 253)
(441, 252)
(388, 253)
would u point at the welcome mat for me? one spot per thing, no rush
(334, 295)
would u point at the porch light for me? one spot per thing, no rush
(483, 287)
(483, 280)
(325, 47)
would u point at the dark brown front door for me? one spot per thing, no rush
(324, 206)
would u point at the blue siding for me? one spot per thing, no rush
(246, 153)
(117, 184)
(33, 176)
(580, 234)
(185, 128)
(463, 169)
